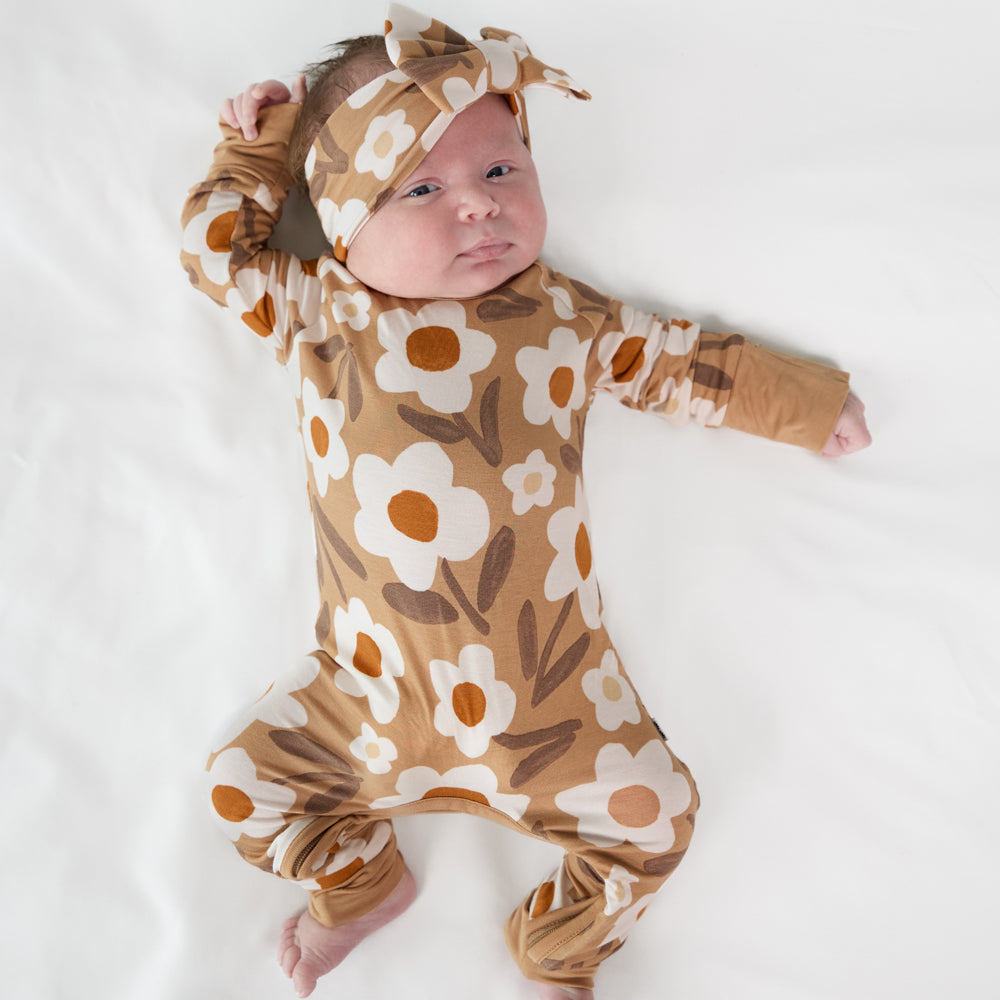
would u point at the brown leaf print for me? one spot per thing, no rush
(496, 565)
(422, 606)
(341, 547)
(527, 640)
(330, 348)
(436, 428)
(548, 680)
(507, 304)
(302, 746)
(571, 459)
(663, 866)
(552, 743)
(711, 377)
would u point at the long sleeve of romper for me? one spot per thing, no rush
(227, 220)
(685, 374)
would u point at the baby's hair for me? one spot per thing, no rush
(353, 63)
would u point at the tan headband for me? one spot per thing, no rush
(379, 135)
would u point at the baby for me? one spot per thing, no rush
(443, 374)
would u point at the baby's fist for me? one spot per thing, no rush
(851, 431)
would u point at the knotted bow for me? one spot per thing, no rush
(379, 135)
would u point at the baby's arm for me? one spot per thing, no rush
(242, 111)
(228, 219)
(851, 432)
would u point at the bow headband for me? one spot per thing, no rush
(379, 135)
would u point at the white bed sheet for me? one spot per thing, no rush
(819, 638)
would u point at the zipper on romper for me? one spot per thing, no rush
(304, 853)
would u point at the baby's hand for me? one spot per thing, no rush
(851, 432)
(241, 111)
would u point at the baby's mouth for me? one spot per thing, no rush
(488, 249)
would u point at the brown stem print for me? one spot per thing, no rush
(547, 678)
(486, 441)
(496, 565)
(479, 623)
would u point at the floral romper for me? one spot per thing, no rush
(462, 663)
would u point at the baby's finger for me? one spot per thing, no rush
(227, 114)
(246, 107)
(298, 90)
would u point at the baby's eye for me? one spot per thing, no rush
(421, 190)
(500, 171)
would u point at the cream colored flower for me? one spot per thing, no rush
(322, 420)
(387, 137)
(474, 706)
(628, 920)
(352, 309)
(369, 659)
(677, 405)
(633, 799)
(209, 234)
(432, 353)
(471, 782)
(375, 751)
(627, 356)
(555, 379)
(459, 93)
(531, 482)
(243, 804)
(412, 514)
(573, 566)
(276, 706)
(612, 695)
(618, 890)
(340, 222)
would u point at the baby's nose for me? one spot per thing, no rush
(478, 203)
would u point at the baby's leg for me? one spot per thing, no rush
(308, 949)
(642, 807)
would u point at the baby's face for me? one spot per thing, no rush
(469, 217)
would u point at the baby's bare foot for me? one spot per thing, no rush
(546, 992)
(308, 949)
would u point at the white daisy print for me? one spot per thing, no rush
(433, 354)
(531, 482)
(242, 803)
(412, 514)
(376, 752)
(209, 234)
(562, 301)
(618, 890)
(387, 137)
(681, 337)
(251, 301)
(471, 782)
(634, 799)
(612, 695)
(460, 93)
(369, 658)
(628, 920)
(573, 567)
(627, 356)
(340, 223)
(352, 309)
(555, 379)
(362, 96)
(332, 868)
(276, 706)
(677, 406)
(322, 420)
(474, 706)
